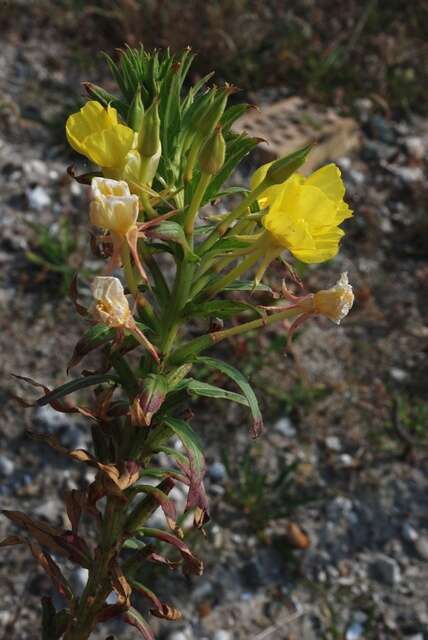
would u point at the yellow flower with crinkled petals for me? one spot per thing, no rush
(95, 132)
(304, 214)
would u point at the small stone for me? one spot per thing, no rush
(50, 510)
(415, 147)
(357, 177)
(333, 443)
(387, 570)
(363, 106)
(408, 174)
(346, 460)
(409, 533)
(373, 151)
(421, 546)
(381, 129)
(285, 427)
(184, 634)
(355, 631)
(38, 198)
(78, 580)
(7, 466)
(217, 472)
(217, 490)
(397, 374)
(222, 634)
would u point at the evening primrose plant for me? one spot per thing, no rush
(161, 151)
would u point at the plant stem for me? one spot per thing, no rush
(239, 211)
(237, 271)
(193, 348)
(195, 204)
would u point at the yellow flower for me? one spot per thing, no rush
(304, 213)
(111, 305)
(96, 133)
(112, 206)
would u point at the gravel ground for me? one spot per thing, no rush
(343, 551)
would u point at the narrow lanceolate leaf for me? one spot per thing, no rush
(192, 564)
(207, 390)
(194, 471)
(160, 609)
(93, 338)
(162, 500)
(217, 308)
(75, 385)
(135, 619)
(243, 384)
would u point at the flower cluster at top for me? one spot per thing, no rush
(162, 156)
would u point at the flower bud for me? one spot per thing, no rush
(112, 206)
(149, 140)
(110, 303)
(211, 158)
(280, 170)
(136, 112)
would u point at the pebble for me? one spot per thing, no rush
(408, 174)
(222, 634)
(7, 466)
(363, 106)
(346, 460)
(285, 427)
(357, 177)
(387, 570)
(185, 634)
(333, 443)
(381, 129)
(355, 631)
(217, 472)
(38, 198)
(409, 533)
(421, 546)
(78, 580)
(397, 374)
(415, 147)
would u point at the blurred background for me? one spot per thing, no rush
(320, 528)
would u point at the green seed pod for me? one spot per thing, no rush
(282, 169)
(211, 158)
(136, 112)
(149, 138)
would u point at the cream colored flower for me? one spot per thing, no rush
(110, 306)
(336, 302)
(112, 206)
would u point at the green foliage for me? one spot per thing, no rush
(53, 249)
(263, 497)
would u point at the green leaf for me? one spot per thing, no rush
(243, 384)
(170, 231)
(94, 337)
(224, 245)
(243, 285)
(76, 385)
(135, 619)
(189, 439)
(217, 308)
(205, 389)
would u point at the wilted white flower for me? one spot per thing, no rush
(112, 206)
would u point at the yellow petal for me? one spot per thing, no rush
(329, 180)
(109, 147)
